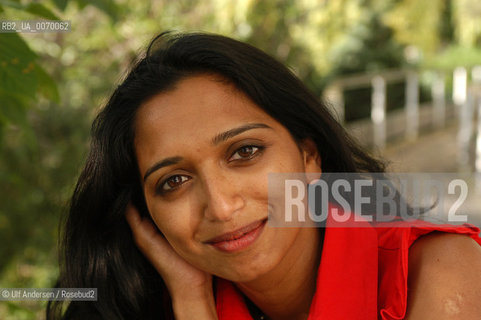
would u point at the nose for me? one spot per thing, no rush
(223, 198)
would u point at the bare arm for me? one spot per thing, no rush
(190, 289)
(444, 278)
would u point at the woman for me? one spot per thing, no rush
(183, 150)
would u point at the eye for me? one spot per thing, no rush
(246, 153)
(172, 183)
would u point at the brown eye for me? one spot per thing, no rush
(245, 153)
(173, 182)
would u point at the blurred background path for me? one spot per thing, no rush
(431, 152)
(436, 152)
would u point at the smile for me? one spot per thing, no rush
(238, 239)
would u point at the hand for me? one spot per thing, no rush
(189, 287)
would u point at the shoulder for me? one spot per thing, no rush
(444, 277)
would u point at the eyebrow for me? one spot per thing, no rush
(163, 163)
(221, 137)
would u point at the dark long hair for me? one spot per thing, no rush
(97, 250)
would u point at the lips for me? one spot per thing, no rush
(238, 239)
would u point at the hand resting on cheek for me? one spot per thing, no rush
(188, 286)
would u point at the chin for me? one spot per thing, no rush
(247, 271)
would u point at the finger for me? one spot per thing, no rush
(132, 215)
(143, 229)
(148, 239)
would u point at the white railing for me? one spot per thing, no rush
(377, 131)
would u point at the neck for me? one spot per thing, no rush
(287, 291)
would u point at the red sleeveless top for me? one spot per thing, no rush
(363, 272)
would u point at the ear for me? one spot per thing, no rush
(311, 157)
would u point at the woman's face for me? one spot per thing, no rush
(204, 152)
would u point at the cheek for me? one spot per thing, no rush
(287, 157)
(174, 221)
(292, 163)
(255, 183)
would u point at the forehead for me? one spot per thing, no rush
(196, 105)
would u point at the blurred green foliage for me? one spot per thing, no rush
(52, 84)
